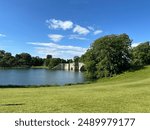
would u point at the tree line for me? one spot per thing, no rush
(26, 60)
(113, 54)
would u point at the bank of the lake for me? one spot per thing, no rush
(128, 92)
(26, 67)
(39, 67)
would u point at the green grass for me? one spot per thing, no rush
(128, 92)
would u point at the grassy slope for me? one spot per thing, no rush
(129, 92)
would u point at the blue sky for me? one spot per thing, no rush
(65, 28)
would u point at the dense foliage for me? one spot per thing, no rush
(20, 60)
(52, 62)
(26, 60)
(113, 54)
(107, 56)
(141, 54)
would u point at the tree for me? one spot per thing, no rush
(108, 55)
(90, 64)
(49, 56)
(69, 61)
(2, 53)
(23, 59)
(76, 62)
(54, 62)
(37, 61)
(6, 59)
(141, 54)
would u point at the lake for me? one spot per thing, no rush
(39, 77)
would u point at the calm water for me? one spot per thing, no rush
(38, 77)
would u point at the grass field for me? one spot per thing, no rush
(128, 92)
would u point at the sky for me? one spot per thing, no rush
(67, 28)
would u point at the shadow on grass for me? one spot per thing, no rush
(136, 68)
(12, 104)
(70, 84)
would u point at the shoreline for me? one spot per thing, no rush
(26, 67)
(48, 85)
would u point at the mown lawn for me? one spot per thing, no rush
(128, 92)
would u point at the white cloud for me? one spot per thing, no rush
(55, 37)
(61, 51)
(81, 30)
(97, 32)
(136, 44)
(2, 35)
(91, 28)
(65, 25)
(77, 37)
(59, 24)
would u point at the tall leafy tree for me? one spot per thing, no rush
(37, 61)
(108, 55)
(141, 54)
(76, 62)
(24, 59)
